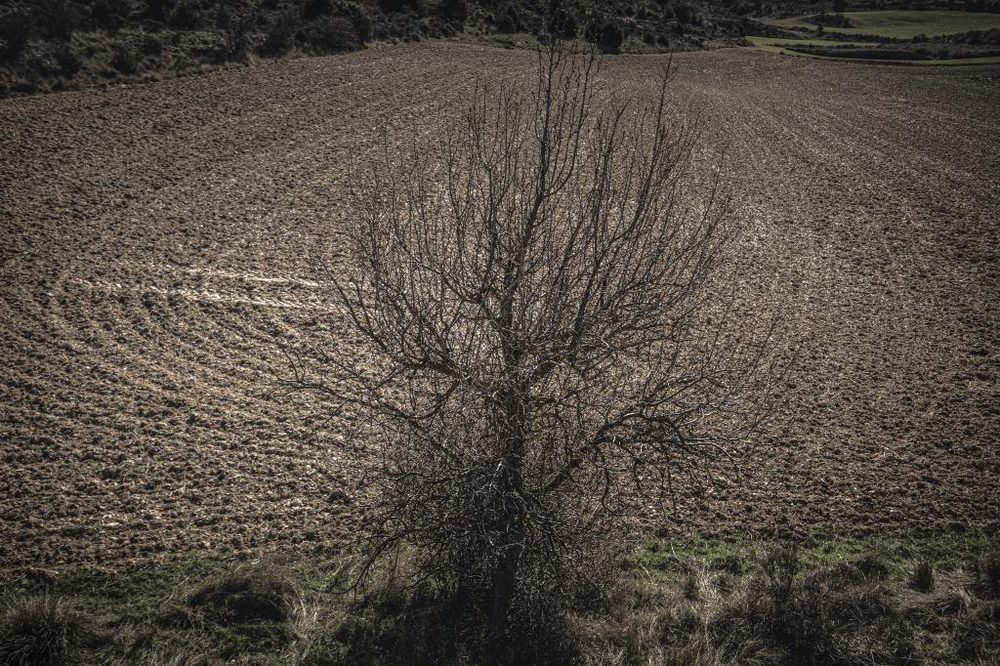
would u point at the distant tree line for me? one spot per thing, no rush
(344, 25)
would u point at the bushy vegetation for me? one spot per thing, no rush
(198, 34)
(209, 33)
(885, 36)
(40, 631)
(15, 30)
(693, 602)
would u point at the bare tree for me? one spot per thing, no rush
(549, 338)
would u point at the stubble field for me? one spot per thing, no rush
(163, 244)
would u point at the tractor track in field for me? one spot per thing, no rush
(161, 245)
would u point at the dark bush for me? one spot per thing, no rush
(332, 34)
(185, 16)
(561, 22)
(159, 10)
(281, 34)
(683, 13)
(395, 6)
(361, 18)
(976, 37)
(454, 10)
(110, 14)
(124, 59)
(235, 29)
(509, 20)
(57, 19)
(15, 29)
(151, 45)
(313, 9)
(611, 36)
(69, 63)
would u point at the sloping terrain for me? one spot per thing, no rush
(163, 244)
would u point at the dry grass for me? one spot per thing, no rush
(40, 631)
(253, 595)
(743, 604)
(787, 609)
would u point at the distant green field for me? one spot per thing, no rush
(902, 24)
(782, 42)
(787, 47)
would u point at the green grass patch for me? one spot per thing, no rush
(785, 42)
(947, 550)
(791, 47)
(901, 24)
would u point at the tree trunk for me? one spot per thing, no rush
(503, 585)
(510, 501)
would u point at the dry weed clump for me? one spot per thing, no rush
(398, 618)
(259, 594)
(922, 578)
(987, 572)
(38, 631)
(824, 615)
(779, 610)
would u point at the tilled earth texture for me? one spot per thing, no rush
(161, 246)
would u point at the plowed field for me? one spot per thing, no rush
(161, 244)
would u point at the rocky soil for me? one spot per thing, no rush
(163, 245)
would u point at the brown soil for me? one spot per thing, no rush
(162, 243)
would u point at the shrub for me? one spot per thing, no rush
(235, 29)
(454, 10)
(610, 37)
(40, 631)
(185, 16)
(683, 13)
(332, 34)
(57, 19)
(151, 45)
(313, 9)
(159, 10)
(509, 20)
(124, 59)
(110, 14)
(562, 23)
(362, 20)
(281, 34)
(69, 63)
(15, 29)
